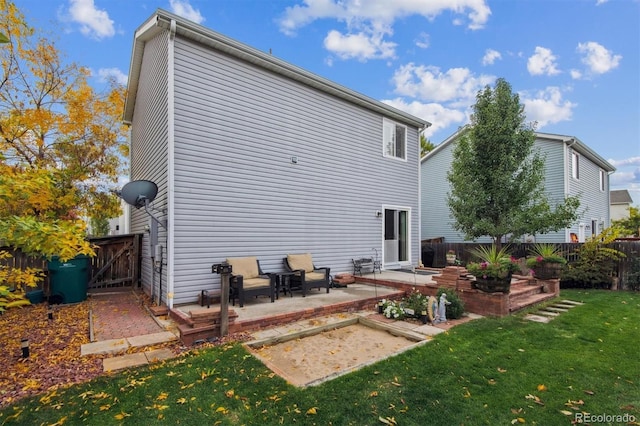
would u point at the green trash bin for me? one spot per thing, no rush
(68, 280)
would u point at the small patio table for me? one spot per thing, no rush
(283, 282)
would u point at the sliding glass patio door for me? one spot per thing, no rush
(396, 236)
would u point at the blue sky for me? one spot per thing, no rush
(574, 63)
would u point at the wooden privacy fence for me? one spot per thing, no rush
(117, 261)
(436, 252)
(116, 264)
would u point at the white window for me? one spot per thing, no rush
(394, 140)
(603, 178)
(575, 165)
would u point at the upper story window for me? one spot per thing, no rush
(394, 140)
(603, 178)
(575, 165)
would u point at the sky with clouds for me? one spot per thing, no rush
(574, 63)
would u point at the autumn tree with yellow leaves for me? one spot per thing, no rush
(62, 145)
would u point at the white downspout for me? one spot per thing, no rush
(567, 175)
(171, 165)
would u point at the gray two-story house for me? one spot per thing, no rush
(571, 169)
(254, 156)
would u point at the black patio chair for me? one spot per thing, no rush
(247, 279)
(306, 276)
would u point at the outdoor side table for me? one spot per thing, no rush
(283, 282)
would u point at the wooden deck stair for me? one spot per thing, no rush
(199, 324)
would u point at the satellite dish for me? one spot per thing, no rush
(139, 193)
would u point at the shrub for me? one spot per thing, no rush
(456, 308)
(633, 279)
(595, 265)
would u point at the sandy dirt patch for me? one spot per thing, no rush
(311, 360)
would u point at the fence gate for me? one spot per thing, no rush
(117, 261)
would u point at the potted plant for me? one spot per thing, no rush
(546, 261)
(493, 269)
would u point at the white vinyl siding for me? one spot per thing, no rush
(149, 152)
(237, 192)
(394, 139)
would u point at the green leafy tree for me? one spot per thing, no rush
(631, 225)
(497, 176)
(426, 146)
(99, 226)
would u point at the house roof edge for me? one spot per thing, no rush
(161, 21)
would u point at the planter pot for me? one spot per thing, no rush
(451, 259)
(548, 271)
(493, 285)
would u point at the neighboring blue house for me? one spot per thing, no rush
(254, 156)
(571, 169)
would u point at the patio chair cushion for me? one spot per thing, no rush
(300, 261)
(245, 266)
(256, 282)
(314, 276)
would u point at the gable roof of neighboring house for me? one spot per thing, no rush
(620, 196)
(572, 141)
(166, 21)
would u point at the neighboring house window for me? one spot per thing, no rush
(602, 180)
(575, 165)
(394, 140)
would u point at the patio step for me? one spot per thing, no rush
(525, 293)
(552, 311)
(200, 324)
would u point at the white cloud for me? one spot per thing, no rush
(599, 2)
(542, 62)
(456, 85)
(93, 22)
(597, 58)
(477, 12)
(360, 46)
(423, 41)
(632, 161)
(576, 74)
(547, 106)
(490, 56)
(439, 116)
(368, 22)
(105, 74)
(184, 9)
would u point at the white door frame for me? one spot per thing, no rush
(389, 261)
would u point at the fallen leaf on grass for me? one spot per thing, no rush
(566, 412)
(535, 399)
(312, 410)
(541, 388)
(387, 420)
(122, 415)
(518, 420)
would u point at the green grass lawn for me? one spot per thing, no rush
(494, 371)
